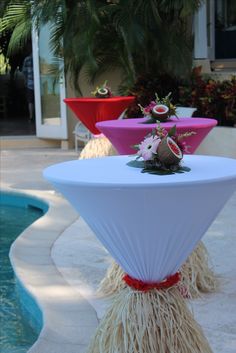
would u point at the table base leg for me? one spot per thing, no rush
(197, 276)
(147, 322)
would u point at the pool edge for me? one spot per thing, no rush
(68, 319)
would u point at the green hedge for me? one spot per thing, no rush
(212, 98)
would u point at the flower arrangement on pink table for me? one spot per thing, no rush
(161, 109)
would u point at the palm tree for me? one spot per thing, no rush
(150, 37)
(140, 37)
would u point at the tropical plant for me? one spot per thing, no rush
(140, 37)
(17, 20)
(212, 98)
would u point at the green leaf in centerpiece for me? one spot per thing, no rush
(153, 132)
(136, 164)
(185, 169)
(158, 171)
(135, 147)
(162, 171)
(172, 131)
(149, 121)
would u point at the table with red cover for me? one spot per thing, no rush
(92, 110)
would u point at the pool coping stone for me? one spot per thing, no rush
(69, 320)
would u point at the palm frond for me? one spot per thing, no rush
(14, 14)
(142, 36)
(20, 36)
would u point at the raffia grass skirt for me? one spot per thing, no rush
(196, 276)
(97, 147)
(157, 321)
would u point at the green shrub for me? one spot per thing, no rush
(212, 98)
(145, 88)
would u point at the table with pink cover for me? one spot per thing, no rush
(123, 134)
(149, 224)
(92, 110)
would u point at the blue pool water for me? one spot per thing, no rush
(20, 317)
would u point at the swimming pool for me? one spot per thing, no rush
(20, 317)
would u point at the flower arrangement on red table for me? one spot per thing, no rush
(161, 152)
(159, 110)
(102, 91)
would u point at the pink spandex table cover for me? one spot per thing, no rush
(125, 133)
(92, 110)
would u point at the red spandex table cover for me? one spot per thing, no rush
(125, 133)
(92, 110)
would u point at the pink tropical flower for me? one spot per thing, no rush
(148, 109)
(148, 147)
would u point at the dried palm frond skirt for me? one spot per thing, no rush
(148, 322)
(97, 147)
(197, 277)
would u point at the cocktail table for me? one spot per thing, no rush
(125, 133)
(149, 224)
(92, 110)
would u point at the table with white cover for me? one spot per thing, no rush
(148, 223)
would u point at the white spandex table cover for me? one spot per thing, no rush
(148, 223)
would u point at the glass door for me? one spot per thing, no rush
(225, 29)
(50, 110)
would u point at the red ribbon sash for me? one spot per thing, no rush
(145, 286)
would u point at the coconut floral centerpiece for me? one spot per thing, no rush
(159, 109)
(102, 91)
(161, 152)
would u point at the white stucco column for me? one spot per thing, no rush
(200, 33)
